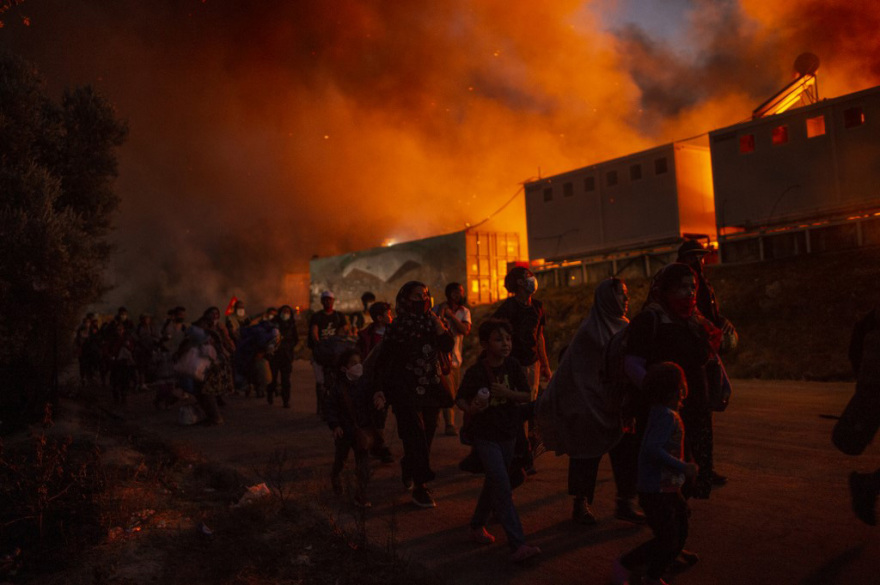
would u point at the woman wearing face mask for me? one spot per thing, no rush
(347, 412)
(671, 329)
(410, 380)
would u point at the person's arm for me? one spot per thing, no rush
(331, 407)
(445, 341)
(640, 336)
(459, 326)
(471, 383)
(499, 390)
(856, 342)
(313, 333)
(635, 368)
(542, 354)
(656, 436)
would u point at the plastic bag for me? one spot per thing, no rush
(193, 364)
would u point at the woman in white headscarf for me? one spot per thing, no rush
(579, 416)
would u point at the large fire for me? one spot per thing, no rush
(262, 136)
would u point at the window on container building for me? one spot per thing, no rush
(816, 126)
(779, 135)
(590, 184)
(568, 190)
(853, 117)
(548, 194)
(635, 172)
(660, 166)
(611, 178)
(747, 143)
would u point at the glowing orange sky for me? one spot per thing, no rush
(265, 132)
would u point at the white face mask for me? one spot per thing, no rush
(239, 312)
(285, 316)
(355, 371)
(531, 285)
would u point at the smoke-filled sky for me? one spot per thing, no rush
(267, 131)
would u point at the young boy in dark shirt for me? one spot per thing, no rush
(662, 472)
(489, 393)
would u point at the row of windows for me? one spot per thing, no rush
(852, 118)
(661, 167)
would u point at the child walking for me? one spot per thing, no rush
(662, 472)
(347, 414)
(489, 393)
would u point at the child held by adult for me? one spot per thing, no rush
(662, 472)
(489, 394)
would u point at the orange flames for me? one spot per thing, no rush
(262, 136)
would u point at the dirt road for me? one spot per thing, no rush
(784, 516)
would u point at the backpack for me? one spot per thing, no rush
(612, 372)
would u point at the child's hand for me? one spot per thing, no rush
(690, 470)
(477, 405)
(499, 390)
(337, 433)
(379, 400)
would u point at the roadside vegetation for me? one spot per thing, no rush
(794, 316)
(87, 499)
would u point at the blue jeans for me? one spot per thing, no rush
(497, 495)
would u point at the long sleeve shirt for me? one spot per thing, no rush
(661, 464)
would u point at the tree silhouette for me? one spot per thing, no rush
(57, 164)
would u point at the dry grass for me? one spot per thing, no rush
(164, 516)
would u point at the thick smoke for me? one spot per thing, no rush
(265, 132)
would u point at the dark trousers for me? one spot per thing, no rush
(698, 442)
(416, 428)
(582, 473)
(282, 368)
(667, 515)
(361, 462)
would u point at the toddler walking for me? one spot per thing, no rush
(662, 472)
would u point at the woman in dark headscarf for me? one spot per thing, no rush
(671, 329)
(409, 372)
(580, 416)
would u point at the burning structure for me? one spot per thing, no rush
(477, 260)
(621, 216)
(800, 181)
(800, 176)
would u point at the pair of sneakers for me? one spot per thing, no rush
(524, 551)
(620, 575)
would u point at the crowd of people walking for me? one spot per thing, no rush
(643, 391)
